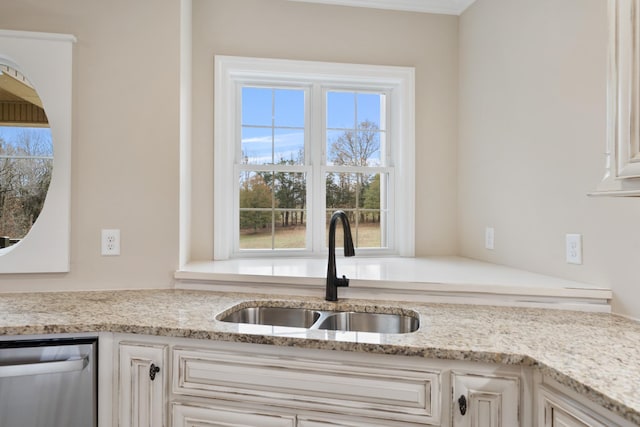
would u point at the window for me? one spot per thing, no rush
(297, 140)
(45, 61)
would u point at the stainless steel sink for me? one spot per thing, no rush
(384, 323)
(274, 316)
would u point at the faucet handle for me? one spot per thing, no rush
(343, 283)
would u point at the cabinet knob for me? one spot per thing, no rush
(153, 370)
(462, 402)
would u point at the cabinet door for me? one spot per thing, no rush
(485, 401)
(557, 410)
(561, 418)
(214, 416)
(143, 384)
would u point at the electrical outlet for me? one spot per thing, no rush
(110, 242)
(489, 237)
(574, 248)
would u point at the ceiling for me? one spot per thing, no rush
(20, 105)
(446, 7)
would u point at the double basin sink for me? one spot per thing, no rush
(384, 323)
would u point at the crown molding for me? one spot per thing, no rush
(444, 7)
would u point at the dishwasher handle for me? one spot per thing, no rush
(54, 367)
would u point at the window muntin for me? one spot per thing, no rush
(356, 128)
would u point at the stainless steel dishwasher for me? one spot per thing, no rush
(48, 383)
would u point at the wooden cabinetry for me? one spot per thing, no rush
(207, 383)
(485, 400)
(319, 421)
(142, 385)
(214, 416)
(556, 409)
(324, 383)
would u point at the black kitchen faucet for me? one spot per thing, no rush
(333, 282)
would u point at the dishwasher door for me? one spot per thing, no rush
(48, 383)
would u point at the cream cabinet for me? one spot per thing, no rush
(177, 382)
(320, 421)
(557, 409)
(220, 416)
(142, 384)
(485, 400)
(379, 390)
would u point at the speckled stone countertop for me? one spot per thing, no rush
(596, 354)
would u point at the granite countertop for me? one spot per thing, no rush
(596, 354)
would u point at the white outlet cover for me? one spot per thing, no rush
(489, 238)
(574, 248)
(110, 243)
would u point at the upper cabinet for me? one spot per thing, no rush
(622, 175)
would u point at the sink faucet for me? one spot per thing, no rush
(332, 279)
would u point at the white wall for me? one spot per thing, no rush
(126, 116)
(532, 133)
(291, 30)
(125, 142)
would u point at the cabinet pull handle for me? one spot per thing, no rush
(153, 370)
(462, 402)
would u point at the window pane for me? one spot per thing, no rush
(369, 110)
(257, 106)
(290, 190)
(257, 146)
(370, 195)
(370, 220)
(341, 189)
(256, 190)
(255, 234)
(368, 234)
(362, 197)
(341, 110)
(291, 229)
(289, 146)
(289, 108)
(367, 148)
(335, 140)
(349, 148)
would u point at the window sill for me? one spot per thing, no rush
(433, 279)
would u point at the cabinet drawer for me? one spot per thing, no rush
(326, 422)
(198, 416)
(370, 389)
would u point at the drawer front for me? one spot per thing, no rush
(411, 395)
(337, 422)
(219, 416)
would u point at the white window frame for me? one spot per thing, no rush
(45, 59)
(398, 81)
